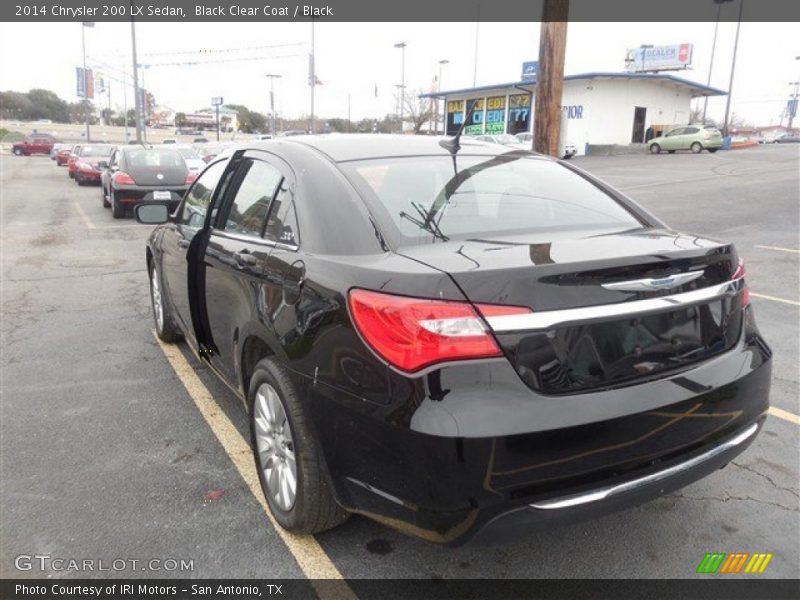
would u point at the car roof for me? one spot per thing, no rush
(357, 146)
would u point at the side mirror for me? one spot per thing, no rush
(151, 214)
(103, 164)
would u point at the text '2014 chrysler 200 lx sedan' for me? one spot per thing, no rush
(463, 342)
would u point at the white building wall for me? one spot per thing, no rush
(608, 108)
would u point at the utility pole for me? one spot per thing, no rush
(272, 78)
(439, 91)
(550, 80)
(475, 57)
(402, 46)
(84, 25)
(312, 76)
(719, 4)
(125, 103)
(733, 70)
(136, 100)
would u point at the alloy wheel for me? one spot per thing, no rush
(275, 447)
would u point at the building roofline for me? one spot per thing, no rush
(705, 90)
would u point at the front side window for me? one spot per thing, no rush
(197, 200)
(427, 199)
(248, 211)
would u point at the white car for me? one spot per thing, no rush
(506, 139)
(192, 157)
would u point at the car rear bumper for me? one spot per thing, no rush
(93, 176)
(464, 459)
(133, 195)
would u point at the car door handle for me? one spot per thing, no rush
(183, 243)
(245, 258)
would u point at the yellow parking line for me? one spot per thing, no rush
(779, 248)
(84, 216)
(784, 414)
(775, 299)
(306, 550)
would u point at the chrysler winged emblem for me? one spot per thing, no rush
(653, 284)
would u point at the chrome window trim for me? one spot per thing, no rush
(255, 239)
(553, 318)
(603, 493)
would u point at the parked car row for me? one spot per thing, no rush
(132, 174)
(522, 141)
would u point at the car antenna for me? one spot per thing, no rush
(452, 145)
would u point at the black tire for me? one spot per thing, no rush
(106, 203)
(712, 150)
(655, 149)
(166, 330)
(314, 508)
(71, 175)
(117, 211)
(80, 181)
(696, 148)
(18, 151)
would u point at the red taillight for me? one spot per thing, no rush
(739, 273)
(413, 333)
(122, 178)
(190, 177)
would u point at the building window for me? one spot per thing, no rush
(519, 113)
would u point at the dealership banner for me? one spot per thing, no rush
(407, 10)
(84, 79)
(659, 58)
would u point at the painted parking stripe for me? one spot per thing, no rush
(775, 299)
(86, 220)
(779, 249)
(306, 550)
(784, 414)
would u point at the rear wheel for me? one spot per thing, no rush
(117, 211)
(697, 147)
(655, 149)
(18, 151)
(106, 203)
(287, 455)
(165, 327)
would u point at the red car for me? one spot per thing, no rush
(62, 156)
(36, 143)
(86, 159)
(73, 156)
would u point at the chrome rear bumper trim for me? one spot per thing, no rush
(552, 318)
(606, 492)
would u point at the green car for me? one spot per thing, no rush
(687, 138)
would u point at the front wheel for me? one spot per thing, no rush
(287, 454)
(165, 327)
(18, 151)
(655, 149)
(697, 148)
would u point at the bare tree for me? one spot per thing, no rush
(418, 111)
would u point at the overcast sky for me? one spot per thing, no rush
(354, 57)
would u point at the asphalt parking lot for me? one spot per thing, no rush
(112, 449)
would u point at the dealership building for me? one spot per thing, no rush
(603, 108)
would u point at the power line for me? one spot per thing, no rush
(223, 50)
(194, 63)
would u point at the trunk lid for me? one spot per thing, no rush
(159, 175)
(590, 270)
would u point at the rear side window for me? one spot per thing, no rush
(247, 213)
(282, 220)
(197, 200)
(428, 198)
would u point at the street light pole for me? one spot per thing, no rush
(719, 4)
(733, 70)
(439, 91)
(272, 78)
(402, 46)
(313, 79)
(136, 100)
(84, 25)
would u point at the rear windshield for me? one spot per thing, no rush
(188, 152)
(96, 150)
(147, 157)
(428, 198)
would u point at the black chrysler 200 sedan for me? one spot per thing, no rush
(464, 343)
